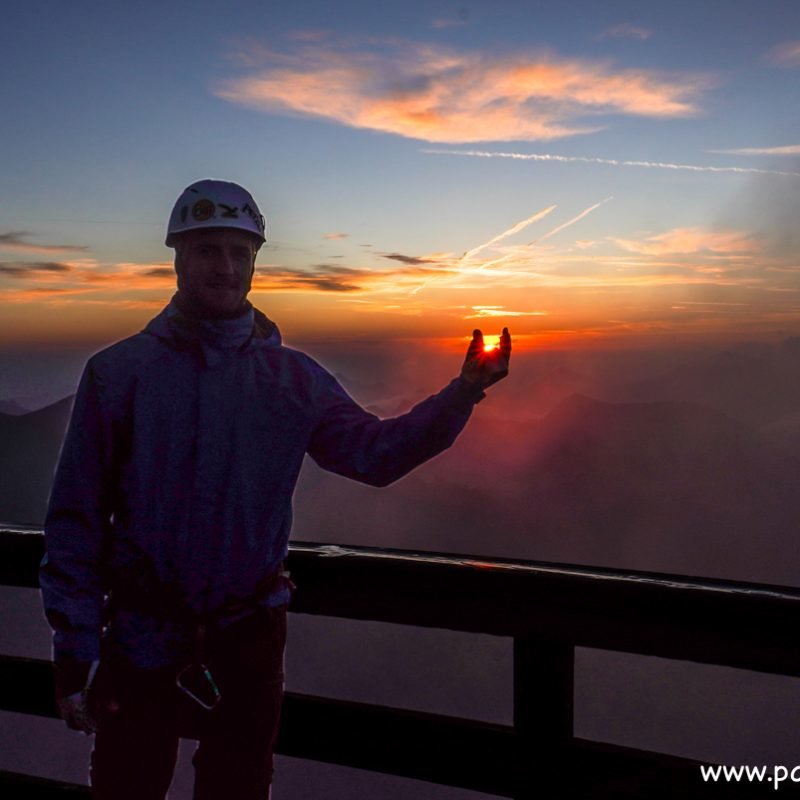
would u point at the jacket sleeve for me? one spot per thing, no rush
(352, 442)
(77, 527)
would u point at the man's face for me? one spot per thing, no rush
(215, 268)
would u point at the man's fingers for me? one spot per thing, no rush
(76, 712)
(476, 345)
(80, 722)
(505, 343)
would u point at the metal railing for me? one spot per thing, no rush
(548, 609)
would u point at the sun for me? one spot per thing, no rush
(490, 343)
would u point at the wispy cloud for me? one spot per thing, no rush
(158, 272)
(129, 276)
(786, 54)
(16, 240)
(335, 235)
(783, 150)
(322, 278)
(609, 161)
(692, 240)
(42, 294)
(625, 31)
(462, 18)
(440, 95)
(337, 278)
(308, 34)
(404, 259)
(501, 311)
(19, 269)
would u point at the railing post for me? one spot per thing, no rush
(543, 714)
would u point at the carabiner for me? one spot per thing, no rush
(196, 681)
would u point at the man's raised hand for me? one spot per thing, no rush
(486, 367)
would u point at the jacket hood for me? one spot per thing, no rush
(251, 329)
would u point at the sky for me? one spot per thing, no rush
(580, 172)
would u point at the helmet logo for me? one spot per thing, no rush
(230, 212)
(203, 210)
(258, 219)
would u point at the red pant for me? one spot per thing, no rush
(136, 747)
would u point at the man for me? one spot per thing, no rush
(170, 513)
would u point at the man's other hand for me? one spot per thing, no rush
(81, 709)
(485, 367)
(74, 710)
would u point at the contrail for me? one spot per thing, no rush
(505, 234)
(515, 229)
(549, 233)
(611, 161)
(574, 219)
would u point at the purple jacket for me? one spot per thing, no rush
(177, 471)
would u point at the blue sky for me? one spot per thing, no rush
(329, 114)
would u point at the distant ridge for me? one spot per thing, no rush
(745, 385)
(29, 448)
(13, 407)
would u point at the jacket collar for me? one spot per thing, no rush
(251, 329)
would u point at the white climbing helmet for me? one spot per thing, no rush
(215, 204)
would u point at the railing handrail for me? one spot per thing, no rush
(668, 580)
(547, 608)
(712, 621)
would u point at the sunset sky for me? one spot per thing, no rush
(579, 171)
(617, 182)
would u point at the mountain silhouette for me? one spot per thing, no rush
(29, 448)
(13, 408)
(754, 385)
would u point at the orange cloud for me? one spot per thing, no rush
(45, 282)
(41, 294)
(501, 311)
(692, 240)
(427, 92)
(335, 235)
